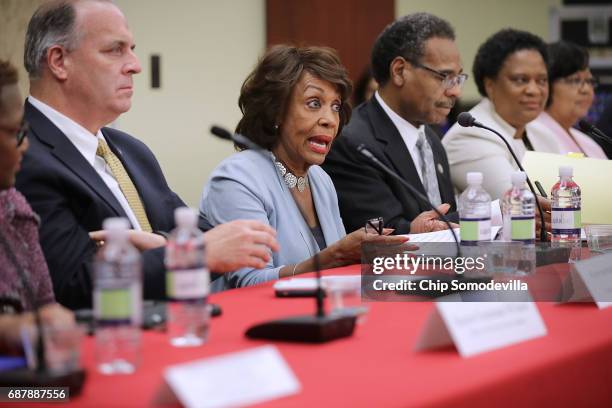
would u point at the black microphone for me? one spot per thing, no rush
(592, 131)
(465, 119)
(374, 160)
(317, 328)
(237, 138)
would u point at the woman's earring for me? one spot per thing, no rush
(276, 128)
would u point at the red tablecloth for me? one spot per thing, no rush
(571, 366)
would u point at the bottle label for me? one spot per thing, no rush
(475, 229)
(113, 306)
(523, 229)
(188, 284)
(566, 221)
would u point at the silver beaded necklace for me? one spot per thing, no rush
(291, 180)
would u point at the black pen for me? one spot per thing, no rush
(541, 189)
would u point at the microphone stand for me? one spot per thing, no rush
(373, 159)
(477, 124)
(317, 328)
(312, 328)
(320, 294)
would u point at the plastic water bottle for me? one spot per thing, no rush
(117, 300)
(518, 210)
(566, 203)
(475, 211)
(187, 281)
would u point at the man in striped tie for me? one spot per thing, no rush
(417, 64)
(80, 60)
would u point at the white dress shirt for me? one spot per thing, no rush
(87, 144)
(410, 135)
(407, 131)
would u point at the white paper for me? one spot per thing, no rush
(437, 236)
(241, 378)
(434, 334)
(596, 275)
(311, 283)
(477, 327)
(444, 235)
(496, 214)
(592, 175)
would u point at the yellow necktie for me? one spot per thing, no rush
(125, 183)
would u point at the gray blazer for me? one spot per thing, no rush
(247, 186)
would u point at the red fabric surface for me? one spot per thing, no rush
(571, 366)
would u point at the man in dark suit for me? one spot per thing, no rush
(416, 62)
(80, 59)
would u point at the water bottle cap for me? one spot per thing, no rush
(566, 171)
(518, 178)
(186, 217)
(474, 178)
(116, 224)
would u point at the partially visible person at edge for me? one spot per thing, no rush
(572, 91)
(25, 284)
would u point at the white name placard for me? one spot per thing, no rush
(241, 378)
(592, 280)
(477, 327)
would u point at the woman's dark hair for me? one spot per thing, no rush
(564, 59)
(406, 38)
(266, 91)
(361, 87)
(496, 49)
(8, 76)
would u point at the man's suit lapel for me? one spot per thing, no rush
(60, 147)
(444, 185)
(393, 145)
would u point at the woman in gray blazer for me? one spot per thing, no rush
(294, 104)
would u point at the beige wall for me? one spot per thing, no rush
(475, 20)
(14, 17)
(207, 49)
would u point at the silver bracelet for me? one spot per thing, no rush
(294, 268)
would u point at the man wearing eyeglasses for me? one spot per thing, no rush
(80, 59)
(417, 64)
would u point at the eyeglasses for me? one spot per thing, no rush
(21, 133)
(449, 81)
(522, 81)
(578, 83)
(375, 226)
